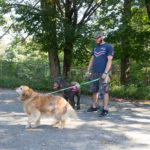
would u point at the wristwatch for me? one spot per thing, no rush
(105, 72)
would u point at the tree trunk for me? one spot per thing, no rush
(125, 67)
(49, 28)
(67, 59)
(69, 38)
(147, 2)
(53, 63)
(57, 64)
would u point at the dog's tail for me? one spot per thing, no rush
(71, 112)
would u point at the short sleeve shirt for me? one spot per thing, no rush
(100, 53)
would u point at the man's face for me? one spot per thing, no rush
(99, 40)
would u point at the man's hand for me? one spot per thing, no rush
(87, 73)
(104, 76)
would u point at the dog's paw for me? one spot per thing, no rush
(28, 126)
(55, 126)
(34, 126)
(60, 127)
(38, 123)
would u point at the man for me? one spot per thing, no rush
(100, 63)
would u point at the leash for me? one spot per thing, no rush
(71, 86)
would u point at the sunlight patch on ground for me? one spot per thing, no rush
(138, 136)
(136, 119)
(21, 119)
(8, 101)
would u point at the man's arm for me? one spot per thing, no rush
(108, 66)
(109, 63)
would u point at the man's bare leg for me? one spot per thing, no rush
(94, 98)
(106, 100)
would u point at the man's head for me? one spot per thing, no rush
(98, 36)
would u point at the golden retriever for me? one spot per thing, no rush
(37, 105)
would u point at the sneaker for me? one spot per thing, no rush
(103, 113)
(91, 109)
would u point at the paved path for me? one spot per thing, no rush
(127, 127)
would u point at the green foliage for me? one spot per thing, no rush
(13, 82)
(22, 52)
(130, 92)
(8, 82)
(83, 47)
(137, 35)
(54, 28)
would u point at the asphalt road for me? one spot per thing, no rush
(126, 127)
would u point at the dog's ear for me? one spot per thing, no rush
(61, 82)
(26, 94)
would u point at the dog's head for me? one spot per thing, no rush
(24, 92)
(58, 83)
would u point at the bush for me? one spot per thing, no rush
(130, 92)
(13, 82)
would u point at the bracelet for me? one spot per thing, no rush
(105, 72)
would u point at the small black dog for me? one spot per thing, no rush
(68, 94)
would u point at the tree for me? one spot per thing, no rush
(66, 26)
(49, 34)
(40, 21)
(147, 2)
(129, 33)
(35, 19)
(72, 24)
(125, 67)
(48, 20)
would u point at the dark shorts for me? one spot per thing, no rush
(99, 85)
